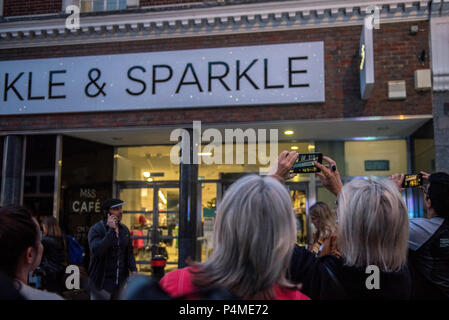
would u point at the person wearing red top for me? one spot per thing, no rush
(254, 237)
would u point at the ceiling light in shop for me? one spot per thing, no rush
(294, 147)
(289, 132)
(150, 179)
(146, 174)
(205, 153)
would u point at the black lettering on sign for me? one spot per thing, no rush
(11, 86)
(291, 72)
(243, 74)
(30, 86)
(144, 86)
(220, 77)
(267, 86)
(189, 66)
(52, 84)
(155, 80)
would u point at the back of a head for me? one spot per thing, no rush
(51, 227)
(325, 218)
(373, 224)
(18, 231)
(439, 193)
(254, 237)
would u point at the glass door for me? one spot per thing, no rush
(298, 194)
(166, 222)
(151, 213)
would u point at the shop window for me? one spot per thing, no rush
(376, 158)
(254, 161)
(39, 179)
(150, 163)
(208, 214)
(103, 5)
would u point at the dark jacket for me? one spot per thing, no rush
(327, 278)
(54, 255)
(429, 266)
(105, 250)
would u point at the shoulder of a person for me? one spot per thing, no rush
(329, 262)
(31, 293)
(177, 282)
(124, 227)
(98, 227)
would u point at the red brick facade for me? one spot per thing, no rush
(396, 58)
(27, 7)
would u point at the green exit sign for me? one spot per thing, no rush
(377, 165)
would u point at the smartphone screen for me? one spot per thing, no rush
(304, 163)
(412, 180)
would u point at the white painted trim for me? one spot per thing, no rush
(237, 19)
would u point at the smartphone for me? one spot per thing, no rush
(412, 180)
(304, 163)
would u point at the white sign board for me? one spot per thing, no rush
(255, 75)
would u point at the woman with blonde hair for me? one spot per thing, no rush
(324, 239)
(255, 233)
(372, 241)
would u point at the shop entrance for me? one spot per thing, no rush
(151, 213)
(299, 195)
(300, 201)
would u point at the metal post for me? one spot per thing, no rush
(188, 200)
(57, 184)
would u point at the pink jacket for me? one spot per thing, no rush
(179, 283)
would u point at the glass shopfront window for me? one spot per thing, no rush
(149, 182)
(376, 158)
(149, 163)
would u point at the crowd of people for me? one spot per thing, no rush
(367, 237)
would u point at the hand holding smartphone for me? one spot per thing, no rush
(305, 163)
(412, 180)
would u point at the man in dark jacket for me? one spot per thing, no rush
(429, 241)
(112, 256)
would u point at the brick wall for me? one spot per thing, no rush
(396, 58)
(27, 7)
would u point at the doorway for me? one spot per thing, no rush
(151, 213)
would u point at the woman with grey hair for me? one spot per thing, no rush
(254, 238)
(372, 240)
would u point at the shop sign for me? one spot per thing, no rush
(254, 75)
(366, 60)
(377, 165)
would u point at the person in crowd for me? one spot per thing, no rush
(54, 258)
(253, 241)
(429, 239)
(7, 289)
(372, 242)
(21, 251)
(112, 257)
(324, 239)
